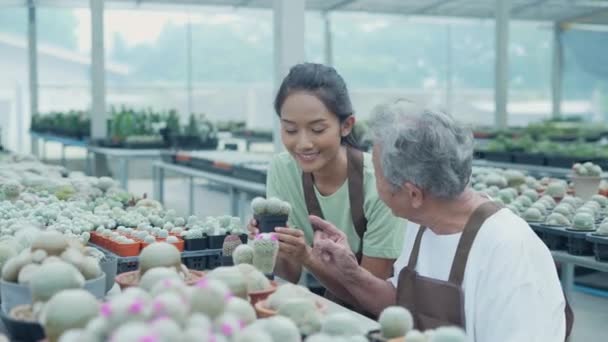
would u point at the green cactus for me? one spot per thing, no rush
(256, 280)
(600, 199)
(227, 324)
(83, 308)
(52, 278)
(253, 334)
(542, 206)
(533, 215)
(341, 324)
(209, 297)
(265, 249)
(280, 328)
(494, 179)
(415, 336)
(395, 321)
(231, 242)
(194, 234)
(448, 334)
(133, 331)
(564, 209)
(170, 304)
(303, 312)
(243, 254)
(284, 293)
(159, 254)
(524, 200)
(531, 194)
(233, 278)
(556, 189)
(549, 200)
(583, 221)
(558, 219)
(258, 205)
(8, 251)
(242, 309)
(155, 275)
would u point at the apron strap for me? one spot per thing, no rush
(414, 253)
(355, 194)
(465, 243)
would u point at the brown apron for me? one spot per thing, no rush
(434, 303)
(355, 195)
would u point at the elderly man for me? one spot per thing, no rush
(470, 263)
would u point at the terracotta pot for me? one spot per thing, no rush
(263, 312)
(257, 296)
(131, 279)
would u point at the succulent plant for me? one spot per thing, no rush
(209, 297)
(253, 334)
(194, 234)
(532, 215)
(229, 325)
(256, 280)
(303, 312)
(82, 305)
(265, 249)
(243, 254)
(271, 206)
(159, 254)
(280, 328)
(531, 194)
(231, 242)
(556, 189)
(395, 321)
(557, 219)
(341, 324)
(602, 229)
(583, 221)
(494, 179)
(415, 336)
(242, 309)
(448, 334)
(284, 293)
(587, 169)
(600, 199)
(233, 278)
(524, 200)
(155, 275)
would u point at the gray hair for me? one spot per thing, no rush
(424, 147)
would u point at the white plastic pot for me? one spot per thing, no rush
(586, 186)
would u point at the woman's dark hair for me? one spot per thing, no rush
(326, 84)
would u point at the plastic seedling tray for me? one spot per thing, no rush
(600, 246)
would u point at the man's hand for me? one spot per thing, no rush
(292, 244)
(252, 228)
(327, 231)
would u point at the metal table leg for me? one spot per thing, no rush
(159, 182)
(191, 196)
(567, 270)
(63, 155)
(43, 157)
(34, 146)
(87, 166)
(124, 173)
(234, 201)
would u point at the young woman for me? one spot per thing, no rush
(322, 174)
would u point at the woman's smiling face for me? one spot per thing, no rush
(310, 132)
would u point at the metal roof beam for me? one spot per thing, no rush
(338, 5)
(432, 6)
(525, 7)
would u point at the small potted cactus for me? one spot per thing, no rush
(265, 250)
(195, 240)
(217, 229)
(231, 242)
(270, 213)
(586, 179)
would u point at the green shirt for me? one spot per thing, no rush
(384, 235)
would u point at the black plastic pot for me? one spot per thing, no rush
(529, 158)
(227, 260)
(600, 246)
(244, 238)
(216, 241)
(196, 244)
(499, 156)
(565, 161)
(22, 331)
(267, 223)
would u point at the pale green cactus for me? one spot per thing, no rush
(532, 215)
(542, 206)
(494, 179)
(243, 254)
(82, 305)
(564, 209)
(557, 219)
(256, 280)
(600, 199)
(52, 278)
(258, 205)
(395, 321)
(228, 325)
(233, 278)
(448, 334)
(231, 243)
(224, 221)
(253, 334)
(159, 254)
(583, 221)
(280, 328)
(209, 297)
(265, 249)
(570, 200)
(284, 293)
(303, 312)
(341, 324)
(415, 336)
(524, 200)
(531, 194)
(242, 309)
(194, 234)
(170, 304)
(556, 189)
(155, 275)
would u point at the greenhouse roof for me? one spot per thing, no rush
(576, 11)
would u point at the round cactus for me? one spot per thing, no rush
(603, 229)
(494, 179)
(532, 215)
(448, 334)
(564, 209)
(341, 324)
(155, 275)
(258, 205)
(415, 336)
(52, 278)
(159, 254)
(227, 324)
(583, 221)
(233, 278)
(558, 219)
(256, 280)
(82, 305)
(242, 309)
(170, 304)
(194, 234)
(52, 242)
(253, 334)
(243, 254)
(600, 199)
(556, 189)
(524, 200)
(284, 293)
(209, 297)
(303, 312)
(531, 194)
(395, 321)
(265, 249)
(280, 328)
(231, 242)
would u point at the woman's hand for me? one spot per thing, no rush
(292, 244)
(252, 228)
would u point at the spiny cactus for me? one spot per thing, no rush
(448, 334)
(284, 293)
(229, 325)
(265, 249)
(194, 234)
(52, 278)
(395, 321)
(532, 215)
(155, 275)
(253, 334)
(209, 297)
(415, 336)
(170, 304)
(271, 206)
(159, 254)
(341, 324)
(242, 309)
(557, 219)
(256, 280)
(83, 307)
(303, 312)
(233, 278)
(280, 328)
(583, 221)
(556, 189)
(531, 194)
(231, 242)
(243, 254)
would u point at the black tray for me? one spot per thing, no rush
(499, 156)
(529, 158)
(22, 331)
(196, 244)
(600, 246)
(577, 242)
(555, 238)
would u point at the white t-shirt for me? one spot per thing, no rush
(511, 288)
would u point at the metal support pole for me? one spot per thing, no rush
(557, 72)
(191, 195)
(33, 59)
(329, 57)
(449, 82)
(189, 66)
(567, 270)
(501, 70)
(124, 173)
